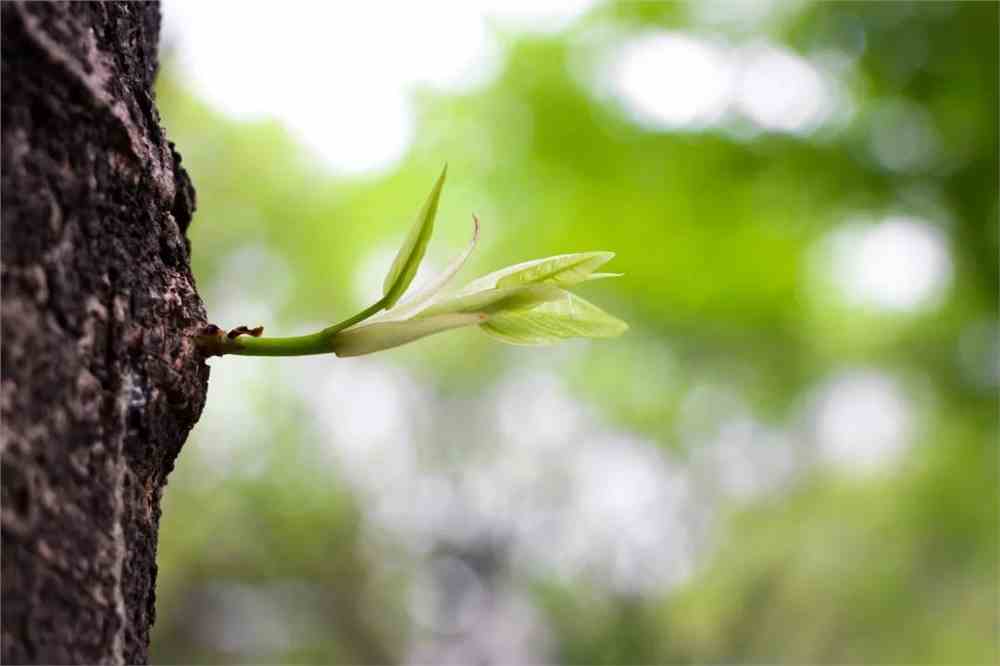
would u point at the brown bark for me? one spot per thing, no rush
(101, 383)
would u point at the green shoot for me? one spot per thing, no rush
(524, 304)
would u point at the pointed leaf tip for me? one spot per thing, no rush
(602, 276)
(408, 259)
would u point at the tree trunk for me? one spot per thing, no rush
(101, 383)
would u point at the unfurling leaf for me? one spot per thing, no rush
(492, 301)
(567, 317)
(408, 259)
(563, 270)
(415, 302)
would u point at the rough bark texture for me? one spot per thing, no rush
(100, 381)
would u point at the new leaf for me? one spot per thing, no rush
(404, 267)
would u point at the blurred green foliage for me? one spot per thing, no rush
(717, 232)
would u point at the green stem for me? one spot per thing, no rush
(351, 321)
(299, 345)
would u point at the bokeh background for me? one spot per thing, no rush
(790, 457)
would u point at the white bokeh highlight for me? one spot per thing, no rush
(340, 75)
(863, 421)
(899, 264)
(680, 81)
(671, 80)
(782, 92)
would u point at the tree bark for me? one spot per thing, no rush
(101, 383)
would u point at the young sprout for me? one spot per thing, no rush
(524, 304)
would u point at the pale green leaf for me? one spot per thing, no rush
(404, 267)
(412, 304)
(567, 317)
(563, 270)
(492, 301)
(385, 335)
